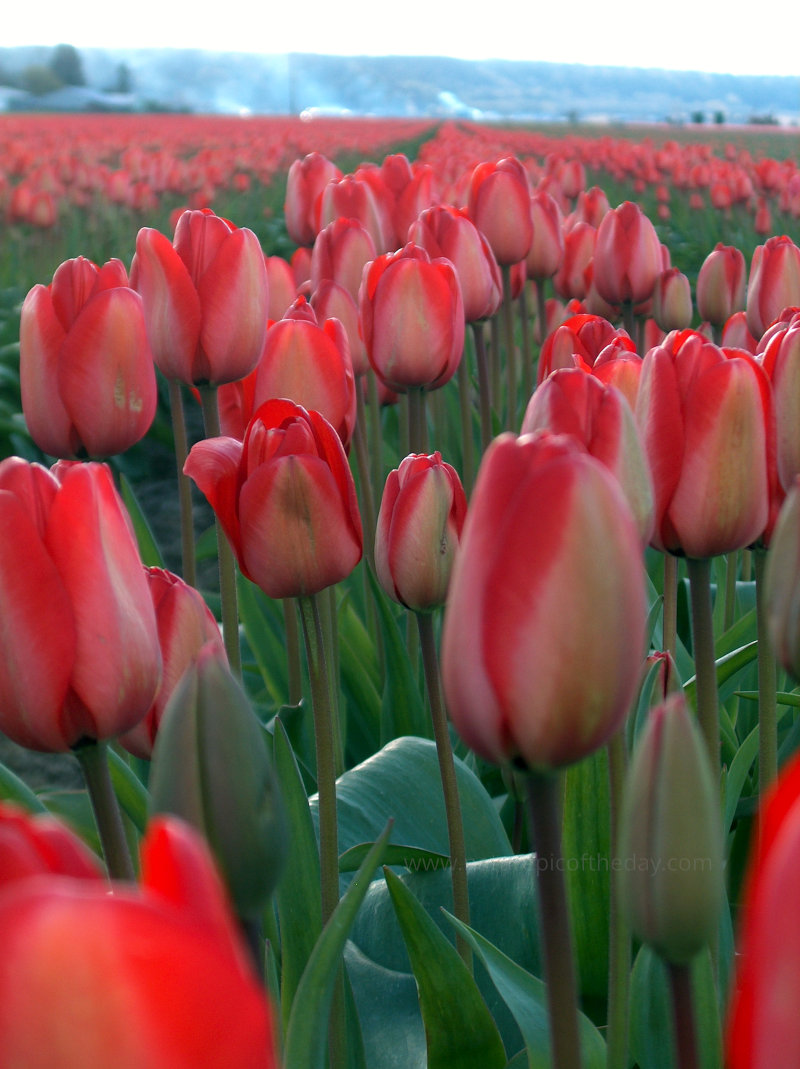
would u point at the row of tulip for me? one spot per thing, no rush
(651, 436)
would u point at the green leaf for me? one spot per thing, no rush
(727, 667)
(458, 1026)
(307, 1031)
(298, 893)
(263, 628)
(148, 547)
(411, 857)
(526, 997)
(13, 789)
(737, 774)
(130, 790)
(403, 710)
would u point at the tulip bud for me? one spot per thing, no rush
(211, 767)
(419, 526)
(782, 583)
(774, 282)
(627, 256)
(499, 206)
(720, 284)
(672, 300)
(670, 837)
(304, 185)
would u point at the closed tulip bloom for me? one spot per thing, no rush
(309, 363)
(705, 418)
(185, 626)
(340, 252)
(782, 583)
(670, 837)
(354, 197)
(736, 334)
(547, 245)
(543, 641)
(763, 1029)
(411, 187)
(583, 335)
(304, 185)
(152, 975)
(412, 319)
(570, 280)
(80, 657)
(781, 361)
(205, 297)
(499, 206)
(627, 256)
(286, 499)
(332, 301)
(280, 285)
(37, 844)
(87, 377)
(720, 286)
(672, 300)
(774, 282)
(599, 417)
(419, 526)
(444, 231)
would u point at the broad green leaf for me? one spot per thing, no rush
(262, 622)
(410, 857)
(458, 1026)
(298, 893)
(307, 1030)
(737, 774)
(526, 997)
(402, 783)
(13, 789)
(727, 667)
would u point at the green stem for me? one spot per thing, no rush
(181, 444)
(670, 618)
(629, 320)
(417, 423)
(767, 684)
(364, 479)
(465, 406)
(447, 771)
(680, 984)
(93, 760)
(541, 311)
(330, 630)
(226, 561)
(495, 366)
(484, 385)
(292, 633)
(510, 352)
(704, 662)
(375, 436)
(527, 351)
(731, 568)
(554, 926)
(619, 934)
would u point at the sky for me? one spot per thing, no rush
(679, 35)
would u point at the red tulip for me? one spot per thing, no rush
(80, 657)
(332, 301)
(304, 185)
(499, 206)
(285, 498)
(547, 245)
(154, 975)
(763, 1028)
(280, 285)
(582, 335)
(627, 256)
(205, 298)
(672, 300)
(86, 371)
(781, 361)
(774, 282)
(309, 363)
(412, 319)
(544, 629)
(705, 415)
(185, 625)
(721, 284)
(37, 844)
(354, 197)
(411, 188)
(448, 232)
(419, 526)
(341, 250)
(570, 280)
(599, 417)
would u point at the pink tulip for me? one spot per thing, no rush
(627, 256)
(774, 282)
(499, 206)
(721, 284)
(304, 185)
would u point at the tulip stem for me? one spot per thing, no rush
(484, 385)
(181, 445)
(93, 760)
(417, 420)
(227, 565)
(704, 662)
(619, 934)
(510, 352)
(767, 684)
(467, 445)
(447, 770)
(376, 436)
(554, 927)
(364, 480)
(527, 351)
(669, 626)
(292, 633)
(680, 982)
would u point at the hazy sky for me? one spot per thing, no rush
(678, 35)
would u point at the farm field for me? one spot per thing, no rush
(418, 508)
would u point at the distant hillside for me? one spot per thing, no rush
(413, 86)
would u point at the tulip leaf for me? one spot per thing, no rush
(526, 997)
(148, 547)
(651, 1030)
(263, 630)
(411, 857)
(13, 789)
(307, 1030)
(402, 783)
(737, 774)
(298, 893)
(129, 789)
(727, 667)
(361, 683)
(458, 1025)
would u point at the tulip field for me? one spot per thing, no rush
(400, 573)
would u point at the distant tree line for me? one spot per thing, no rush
(63, 68)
